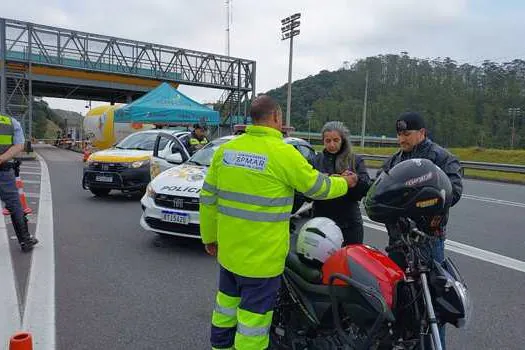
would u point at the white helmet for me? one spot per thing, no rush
(318, 239)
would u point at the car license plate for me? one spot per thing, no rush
(176, 218)
(101, 178)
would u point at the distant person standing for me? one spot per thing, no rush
(198, 138)
(11, 144)
(59, 136)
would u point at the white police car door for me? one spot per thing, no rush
(167, 153)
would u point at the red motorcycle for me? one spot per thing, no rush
(359, 298)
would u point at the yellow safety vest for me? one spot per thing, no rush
(6, 133)
(195, 142)
(247, 197)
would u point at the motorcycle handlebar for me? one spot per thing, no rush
(412, 234)
(394, 247)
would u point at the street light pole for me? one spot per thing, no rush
(365, 103)
(289, 97)
(289, 31)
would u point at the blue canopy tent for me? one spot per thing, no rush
(166, 105)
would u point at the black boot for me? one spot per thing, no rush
(27, 242)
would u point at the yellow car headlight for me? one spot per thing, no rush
(139, 163)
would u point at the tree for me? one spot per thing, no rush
(463, 105)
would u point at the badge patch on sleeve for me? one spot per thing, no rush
(245, 160)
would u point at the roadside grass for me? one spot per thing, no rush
(473, 154)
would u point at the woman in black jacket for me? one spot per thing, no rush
(337, 158)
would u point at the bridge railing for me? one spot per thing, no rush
(52, 46)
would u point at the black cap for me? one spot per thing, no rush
(199, 126)
(410, 121)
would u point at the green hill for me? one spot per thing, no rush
(47, 121)
(464, 105)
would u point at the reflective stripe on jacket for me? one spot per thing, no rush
(247, 198)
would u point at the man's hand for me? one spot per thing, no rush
(12, 152)
(211, 248)
(351, 179)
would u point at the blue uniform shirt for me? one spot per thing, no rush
(18, 136)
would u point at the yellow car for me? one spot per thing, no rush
(127, 165)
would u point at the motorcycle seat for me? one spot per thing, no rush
(308, 273)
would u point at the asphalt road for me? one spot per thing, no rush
(119, 287)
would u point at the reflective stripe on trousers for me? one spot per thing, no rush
(253, 330)
(243, 312)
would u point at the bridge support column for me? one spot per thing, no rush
(30, 88)
(3, 85)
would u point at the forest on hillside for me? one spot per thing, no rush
(47, 122)
(463, 104)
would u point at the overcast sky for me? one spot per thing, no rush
(332, 31)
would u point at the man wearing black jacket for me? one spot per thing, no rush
(337, 158)
(414, 143)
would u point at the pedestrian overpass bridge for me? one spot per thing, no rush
(45, 61)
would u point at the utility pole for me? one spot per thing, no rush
(3, 84)
(365, 103)
(288, 30)
(228, 8)
(309, 116)
(513, 112)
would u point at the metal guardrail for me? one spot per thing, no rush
(508, 168)
(354, 138)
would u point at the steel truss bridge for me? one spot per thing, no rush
(44, 61)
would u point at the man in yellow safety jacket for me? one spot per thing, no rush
(245, 207)
(198, 138)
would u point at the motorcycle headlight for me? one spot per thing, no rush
(466, 301)
(139, 163)
(453, 302)
(150, 192)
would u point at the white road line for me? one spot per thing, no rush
(9, 311)
(467, 250)
(494, 200)
(39, 315)
(29, 173)
(25, 167)
(31, 181)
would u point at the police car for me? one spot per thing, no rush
(171, 203)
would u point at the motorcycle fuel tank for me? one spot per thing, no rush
(367, 266)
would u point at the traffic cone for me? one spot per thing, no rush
(23, 200)
(86, 152)
(22, 195)
(21, 341)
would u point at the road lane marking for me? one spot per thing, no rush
(467, 250)
(493, 200)
(31, 181)
(29, 173)
(39, 315)
(9, 309)
(25, 167)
